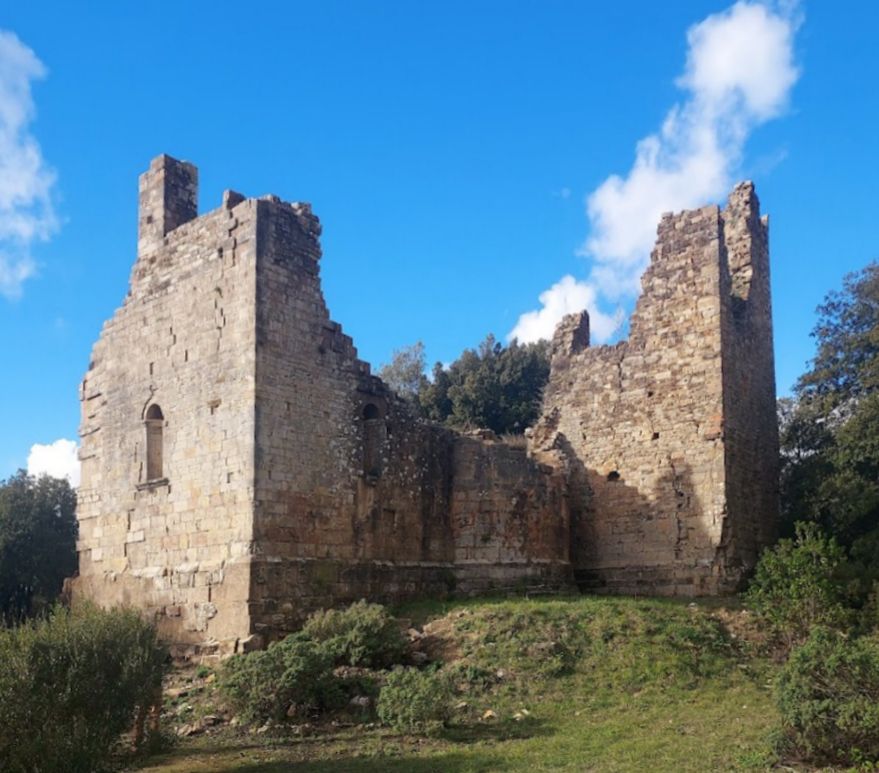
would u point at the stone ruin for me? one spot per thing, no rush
(242, 467)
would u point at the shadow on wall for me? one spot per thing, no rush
(625, 540)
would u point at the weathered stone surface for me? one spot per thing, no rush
(241, 466)
(670, 436)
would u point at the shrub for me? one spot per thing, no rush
(798, 585)
(361, 635)
(293, 676)
(70, 684)
(828, 695)
(415, 701)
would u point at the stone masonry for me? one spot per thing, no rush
(671, 436)
(241, 466)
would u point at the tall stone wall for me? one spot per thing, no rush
(355, 495)
(669, 436)
(750, 423)
(176, 545)
(351, 495)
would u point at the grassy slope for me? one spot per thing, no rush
(609, 685)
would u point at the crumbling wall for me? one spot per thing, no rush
(659, 431)
(351, 494)
(176, 546)
(355, 495)
(749, 410)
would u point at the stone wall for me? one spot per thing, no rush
(355, 495)
(749, 411)
(291, 477)
(283, 476)
(670, 436)
(183, 340)
(351, 495)
(509, 518)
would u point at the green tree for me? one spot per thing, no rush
(830, 432)
(37, 542)
(405, 372)
(846, 366)
(434, 396)
(493, 387)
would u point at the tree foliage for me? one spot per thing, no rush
(846, 366)
(494, 386)
(405, 372)
(37, 542)
(830, 431)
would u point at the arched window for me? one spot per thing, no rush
(374, 434)
(154, 423)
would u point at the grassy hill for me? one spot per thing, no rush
(555, 684)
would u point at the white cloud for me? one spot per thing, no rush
(26, 182)
(739, 72)
(59, 459)
(566, 296)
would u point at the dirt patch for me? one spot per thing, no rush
(438, 642)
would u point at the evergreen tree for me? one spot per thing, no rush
(492, 387)
(830, 431)
(37, 542)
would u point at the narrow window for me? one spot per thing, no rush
(373, 440)
(154, 423)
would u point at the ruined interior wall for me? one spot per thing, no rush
(509, 518)
(183, 339)
(640, 423)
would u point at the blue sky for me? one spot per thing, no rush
(449, 149)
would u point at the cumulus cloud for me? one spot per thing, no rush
(26, 182)
(565, 297)
(59, 459)
(739, 73)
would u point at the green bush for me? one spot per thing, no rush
(361, 635)
(70, 684)
(292, 677)
(415, 701)
(828, 696)
(799, 584)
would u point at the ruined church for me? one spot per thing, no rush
(241, 466)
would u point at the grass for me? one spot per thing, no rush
(571, 684)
